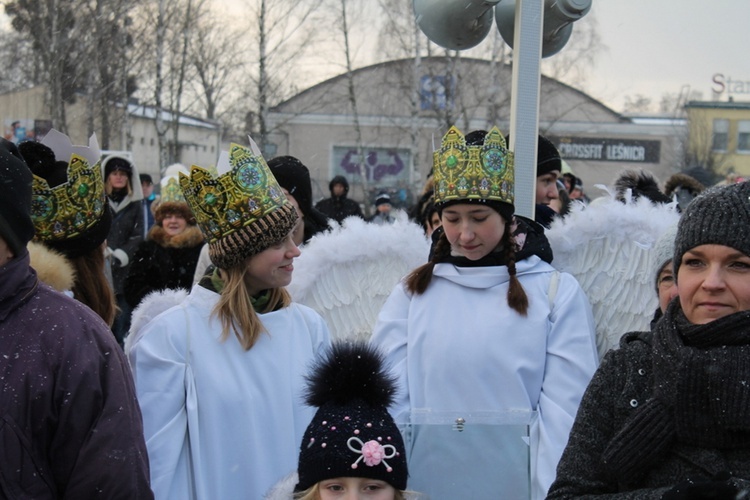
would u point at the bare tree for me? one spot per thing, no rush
(54, 31)
(22, 66)
(107, 47)
(166, 29)
(344, 23)
(216, 53)
(284, 32)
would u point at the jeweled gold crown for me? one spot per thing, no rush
(235, 199)
(74, 207)
(464, 172)
(171, 190)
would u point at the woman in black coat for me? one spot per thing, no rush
(667, 415)
(167, 259)
(126, 232)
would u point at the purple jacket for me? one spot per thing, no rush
(70, 425)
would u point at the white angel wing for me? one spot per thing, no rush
(150, 307)
(608, 248)
(346, 274)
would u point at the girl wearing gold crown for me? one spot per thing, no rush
(487, 325)
(220, 376)
(68, 250)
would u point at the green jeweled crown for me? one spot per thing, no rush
(72, 208)
(464, 172)
(171, 190)
(235, 199)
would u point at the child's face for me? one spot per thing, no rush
(356, 488)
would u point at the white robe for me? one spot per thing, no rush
(459, 347)
(245, 409)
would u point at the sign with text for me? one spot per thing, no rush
(730, 85)
(604, 149)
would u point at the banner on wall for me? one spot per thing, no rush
(384, 166)
(19, 130)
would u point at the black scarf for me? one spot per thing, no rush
(701, 392)
(528, 237)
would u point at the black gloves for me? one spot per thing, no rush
(719, 487)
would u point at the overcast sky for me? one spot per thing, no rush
(653, 47)
(657, 46)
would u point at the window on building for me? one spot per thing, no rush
(143, 141)
(743, 136)
(720, 135)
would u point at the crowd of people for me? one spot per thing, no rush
(226, 387)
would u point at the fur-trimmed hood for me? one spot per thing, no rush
(640, 183)
(684, 181)
(51, 267)
(189, 238)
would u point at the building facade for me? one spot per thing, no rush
(24, 116)
(404, 109)
(720, 135)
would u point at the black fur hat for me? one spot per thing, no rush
(640, 183)
(352, 433)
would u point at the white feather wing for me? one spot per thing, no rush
(608, 247)
(346, 274)
(151, 306)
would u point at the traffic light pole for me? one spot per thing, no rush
(524, 113)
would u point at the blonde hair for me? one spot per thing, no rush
(313, 493)
(108, 186)
(235, 308)
(419, 279)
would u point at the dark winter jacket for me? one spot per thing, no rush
(593, 465)
(339, 208)
(70, 425)
(163, 262)
(125, 234)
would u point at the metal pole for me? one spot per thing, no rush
(524, 111)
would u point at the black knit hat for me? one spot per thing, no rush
(382, 199)
(16, 227)
(42, 161)
(719, 216)
(547, 157)
(113, 163)
(352, 433)
(294, 176)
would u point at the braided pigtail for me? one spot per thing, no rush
(517, 298)
(419, 279)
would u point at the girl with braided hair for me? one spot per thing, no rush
(487, 325)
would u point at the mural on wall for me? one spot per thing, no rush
(20, 130)
(388, 170)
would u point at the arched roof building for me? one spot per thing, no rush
(405, 106)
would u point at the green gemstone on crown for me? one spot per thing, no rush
(210, 199)
(83, 189)
(451, 161)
